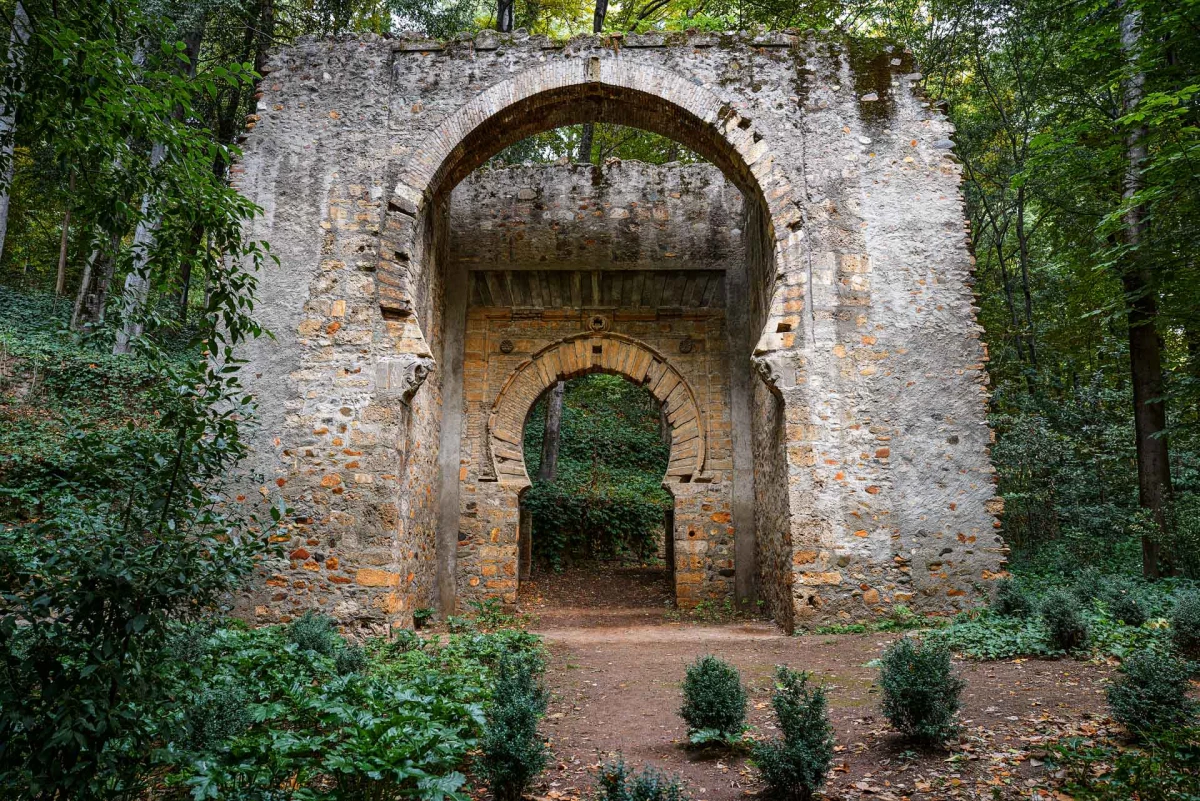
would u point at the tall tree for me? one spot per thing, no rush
(1145, 349)
(18, 40)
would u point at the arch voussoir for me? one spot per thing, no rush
(595, 353)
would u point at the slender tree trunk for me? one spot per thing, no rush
(1145, 349)
(598, 16)
(1023, 256)
(589, 128)
(17, 40)
(81, 296)
(585, 142)
(60, 283)
(137, 283)
(554, 409)
(504, 15)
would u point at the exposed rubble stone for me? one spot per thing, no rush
(813, 306)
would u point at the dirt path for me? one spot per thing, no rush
(615, 679)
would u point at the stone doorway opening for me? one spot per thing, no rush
(510, 279)
(596, 525)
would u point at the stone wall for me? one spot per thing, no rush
(857, 315)
(620, 216)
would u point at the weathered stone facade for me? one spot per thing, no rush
(837, 463)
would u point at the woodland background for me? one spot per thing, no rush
(126, 285)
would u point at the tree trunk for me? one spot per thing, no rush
(60, 283)
(17, 40)
(1145, 349)
(1023, 255)
(137, 283)
(504, 15)
(554, 408)
(598, 16)
(585, 142)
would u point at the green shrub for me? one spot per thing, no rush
(1089, 584)
(714, 701)
(1011, 599)
(1065, 624)
(1185, 624)
(920, 690)
(617, 783)
(314, 632)
(217, 715)
(1126, 604)
(401, 728)
(795, 765)
(513, 751)
(1165, 768)
(1151, 694)
(351, 658)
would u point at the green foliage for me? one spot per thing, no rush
(1066, 627)
(901, 618)
(1089, 585)
(1151, 694)
(617, 783)
(1166, 767)
(1011, 599)
(351, 658)
(402, 724)
(513, 751)
(607, 500)
(315, 632)
(1185, 624)
(714, 702)
(794, 766)
(1125, 603)
(920, 690)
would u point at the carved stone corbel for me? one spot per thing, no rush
(770, 369)
(402, 375)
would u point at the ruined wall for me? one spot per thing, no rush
(620, 216)
(866, 338)
(551, 250)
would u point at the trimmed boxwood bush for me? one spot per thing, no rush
(920, 690)
(1126, 604)
(794, 766)
(1151, 694)
(617, 783)
(1185, 624)
(313, 632)
(714, 701)
(1011, 599)
(1065, 626)
(513, 751)
(1089, 584)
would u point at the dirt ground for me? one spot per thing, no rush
(618, 658)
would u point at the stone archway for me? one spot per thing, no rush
(599, 89)
(701, 536)
(580, 355)
(868, 437)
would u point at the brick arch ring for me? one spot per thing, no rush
(602, 87)
(504, 459)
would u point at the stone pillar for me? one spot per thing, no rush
(737, 327)
(525, 545)
(450, 449)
